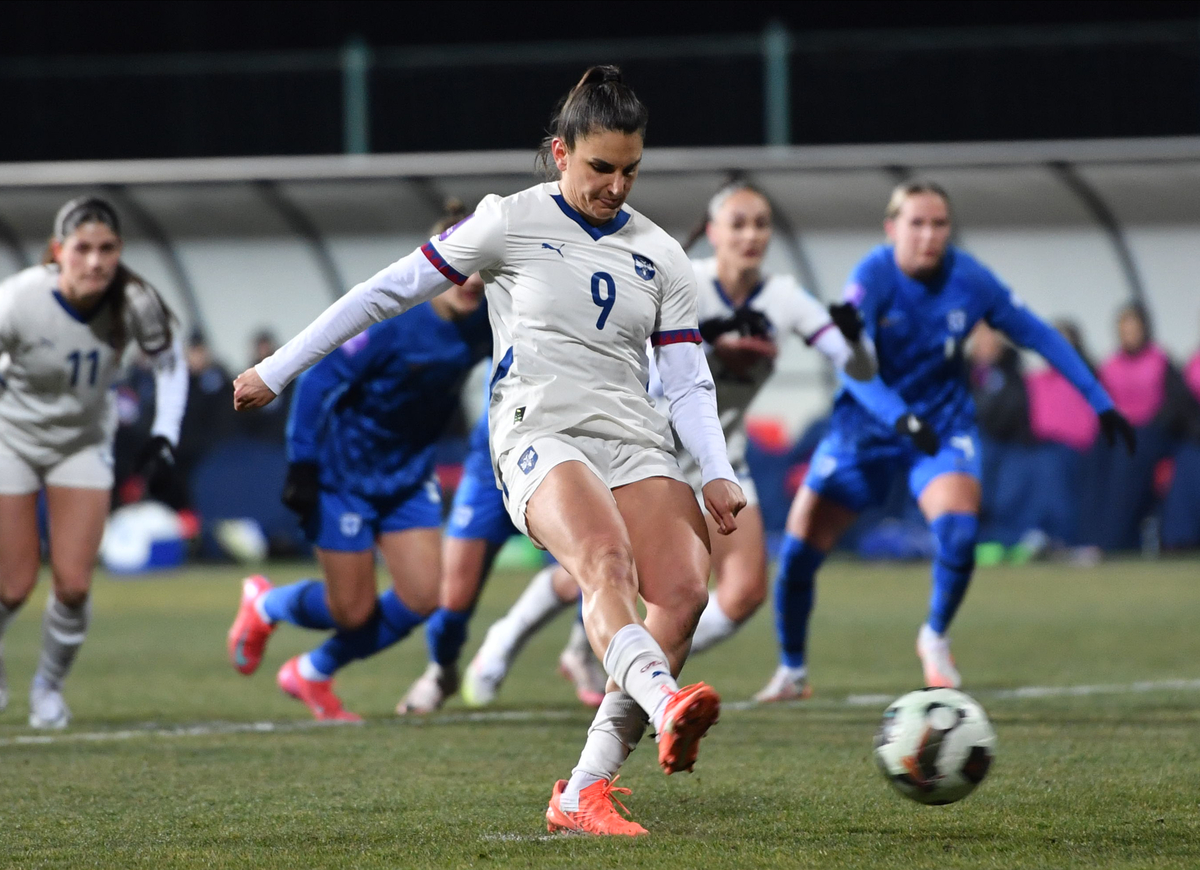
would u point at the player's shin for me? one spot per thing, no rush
(618, 726)
(445, 634)
(390, 623)
(302, 603)
(639, 666)
(537, 605)
(795, 594)
(63, 631)
(954, 562)
(714, 626)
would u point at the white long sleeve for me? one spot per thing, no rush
(170, 391)
(688, 385)
(406, 283)
(857, 360)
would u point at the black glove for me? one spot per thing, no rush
(156, 465)
(301, 489)
(847, 319)
(746, 322)
(923, 437)
(1112, 424)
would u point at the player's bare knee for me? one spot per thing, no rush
(609, 566)
(72, 598)
(352, 615)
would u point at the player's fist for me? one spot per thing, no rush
(920, 433)
(847, 319)
(249, 391)
(1115, 426)
(156, 463)
(302, 489)
(724, 499)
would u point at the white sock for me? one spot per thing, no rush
(309, 671)
(795, 674)
(63, 631)
(615, 731)
(639, 666)
(537, 605)
(578, 641)
(714, 626)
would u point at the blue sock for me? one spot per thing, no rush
(390, 622)
(302, 603)
(795, 593)
(952, 566)
(445, 634)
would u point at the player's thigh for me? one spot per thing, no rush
(20, 547)
(949, 481)
(818, 520)
(573, 514)
(466, 562)
(77, 517)
(414, 560)
(349, 584)
(740, 563)
(950, 493)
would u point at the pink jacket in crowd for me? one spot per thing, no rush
(1058, 413)
(1137, 382)
(1191, 375)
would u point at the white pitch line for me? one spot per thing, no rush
(210, 729)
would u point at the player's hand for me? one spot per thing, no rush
(156, 464)
(920, 433)
(847, 319)
(740, 354)
(249, 391)
(1115, 426)
(724, 499)
(301, 489)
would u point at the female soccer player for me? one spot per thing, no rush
(743, 313)
(919, 297)
(363, 430)
(64, 326)
(577, 283)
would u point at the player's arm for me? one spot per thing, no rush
(156, 461)
(477, 243)
(1010, 316)
(837, 333)
(881, 401)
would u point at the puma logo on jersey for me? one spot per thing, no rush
(557, 250)
(643, 266)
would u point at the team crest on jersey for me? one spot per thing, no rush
(957, 320)
(446, 233)
(643, 266)
(350, 524)
(528, 460)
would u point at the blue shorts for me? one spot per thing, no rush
(478, 512)
(858, 474)
(345, 521)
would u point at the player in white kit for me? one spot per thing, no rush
(64, 327)
(743, 314)
(577, 284)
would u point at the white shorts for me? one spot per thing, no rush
(615, 463)
(88, 468)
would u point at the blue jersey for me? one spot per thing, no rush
(919, 328)
(371, 412)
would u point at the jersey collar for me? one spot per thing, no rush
(597, 233)
(725, 296)
(74, 312)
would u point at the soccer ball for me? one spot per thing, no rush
(935, 745)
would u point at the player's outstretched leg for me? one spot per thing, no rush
(445, 635)
(63, 630)
(953, 564)
(579, 664)
(538, 604)
(795, 592)
(585, 803)
(300, 679)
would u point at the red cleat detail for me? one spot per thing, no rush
(596, 813)
(690, 713)
(317, 695)
(247, 639)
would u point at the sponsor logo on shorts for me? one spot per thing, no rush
(432, 491)
(528, 460)
(461, 517)
(824, 466)
(350, 524)
(643, 266)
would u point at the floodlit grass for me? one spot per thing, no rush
(1106, 779)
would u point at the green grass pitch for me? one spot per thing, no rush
(163, 766)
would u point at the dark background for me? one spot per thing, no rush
(172, 79)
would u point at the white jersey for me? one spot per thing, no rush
(573, 308)
(58, 367)
(788, 308)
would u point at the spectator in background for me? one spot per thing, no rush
(1181, 510)
(1057, 413)
(209, 417)
(998, 388)
(1191, 375)
(270, 423)
(1149, 391)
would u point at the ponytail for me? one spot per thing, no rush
(600, 101)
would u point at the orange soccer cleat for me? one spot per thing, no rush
(936, 662)
(596, 813)
(247, 639)
(317, 695)
(690, 713)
